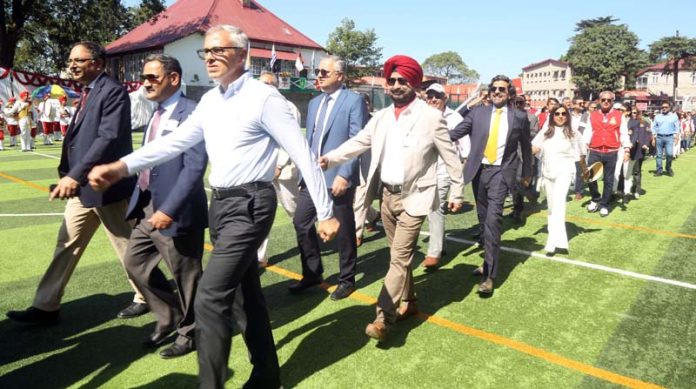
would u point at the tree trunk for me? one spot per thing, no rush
(676, 79)
(10, 30)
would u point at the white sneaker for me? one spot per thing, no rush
(603, 212)
(592, 207)
(636, 195)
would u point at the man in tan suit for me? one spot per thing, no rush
(405, 140)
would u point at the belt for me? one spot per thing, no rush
(487, 166)
(240, 190)
(393, 189)
(665, 134)
(604, 149)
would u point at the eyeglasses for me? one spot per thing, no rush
(562, 113)
(78, 61)
(606, 100)
(150, 77)
(501, 89)
(431, 94)
(391, 81)
(216, 51)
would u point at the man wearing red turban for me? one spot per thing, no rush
(405, 139)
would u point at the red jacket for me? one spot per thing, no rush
(606, 130)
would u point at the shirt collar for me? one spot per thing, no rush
(234, 87)
(335, 94)
(171, 101)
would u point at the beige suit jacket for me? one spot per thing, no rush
(427, 127)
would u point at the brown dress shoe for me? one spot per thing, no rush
(358, 242)
(578, 196)
(478, 271)
(407, 309)
(376, 330)
(486, 287)
(430, 262)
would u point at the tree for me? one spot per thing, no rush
(51, 27)
(451, 66)
(357, 48)
(672, 50)
(601, 53)
(13, 17)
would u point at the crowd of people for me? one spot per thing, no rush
(414, 156)
(25, 118)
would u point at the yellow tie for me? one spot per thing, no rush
(491, 151)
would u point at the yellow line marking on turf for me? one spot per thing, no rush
(23, 182)
(460, 328)
(488, 337)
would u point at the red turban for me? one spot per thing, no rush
(11, 99)
(23, 95)
(408, 67)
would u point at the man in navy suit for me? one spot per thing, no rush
(496, 131)
(332, 118)
(99, 133)
(169, 207)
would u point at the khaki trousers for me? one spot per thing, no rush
(402, 232)
(79, 225)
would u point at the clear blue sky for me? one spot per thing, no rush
(492, 37)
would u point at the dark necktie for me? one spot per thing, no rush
(144, 176)
(83, 101)
(319, 128)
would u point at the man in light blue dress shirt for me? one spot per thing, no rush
(243, 122)
(665, 127)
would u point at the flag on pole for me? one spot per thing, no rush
(298, 62)
(247, 63)
(273, 56)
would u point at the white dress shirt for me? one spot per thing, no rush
(502, 136)
(392, 163)
(242, 128)
(168, 106)
(329, 108)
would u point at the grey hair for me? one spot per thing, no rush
(238, 36)
(169, 63)
(274, 79)
(339, 64)
(607, 92)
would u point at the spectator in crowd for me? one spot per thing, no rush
(579, 122)
(640, 136)
(665, 127)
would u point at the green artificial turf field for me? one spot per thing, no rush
(618, 312)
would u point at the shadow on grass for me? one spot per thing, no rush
(325, 341)
(77, 353)
(172, 381)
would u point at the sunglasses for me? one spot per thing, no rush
(149, 77)
(562, 113)
(634, 113)
(501, 89)
(391, 81)
(665, 107)
(322, 72)
(431, 94)
(606, 100)
(78, 61)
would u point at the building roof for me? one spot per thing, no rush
(660, 67)
(186, 17)
(544, 63)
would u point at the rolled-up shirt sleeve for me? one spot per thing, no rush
(282, 126)
(165, 148)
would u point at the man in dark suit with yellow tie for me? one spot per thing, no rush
(496, 131)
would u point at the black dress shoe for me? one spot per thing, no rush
(158, 336)
(302, 284)
(177, 350)
(34, 316)
(342, 291)
(478, 271)
(670, 173)
(133, 310)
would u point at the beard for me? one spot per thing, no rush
(402, 96)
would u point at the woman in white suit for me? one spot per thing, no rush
(558, 148)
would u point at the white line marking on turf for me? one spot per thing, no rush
(46, 155)
(54, 157)
(29, 214)
(588, 265)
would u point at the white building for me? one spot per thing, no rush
(548, 78)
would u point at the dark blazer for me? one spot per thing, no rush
(176, 186)
(347, 118)
(477, 125)
(102, 134)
